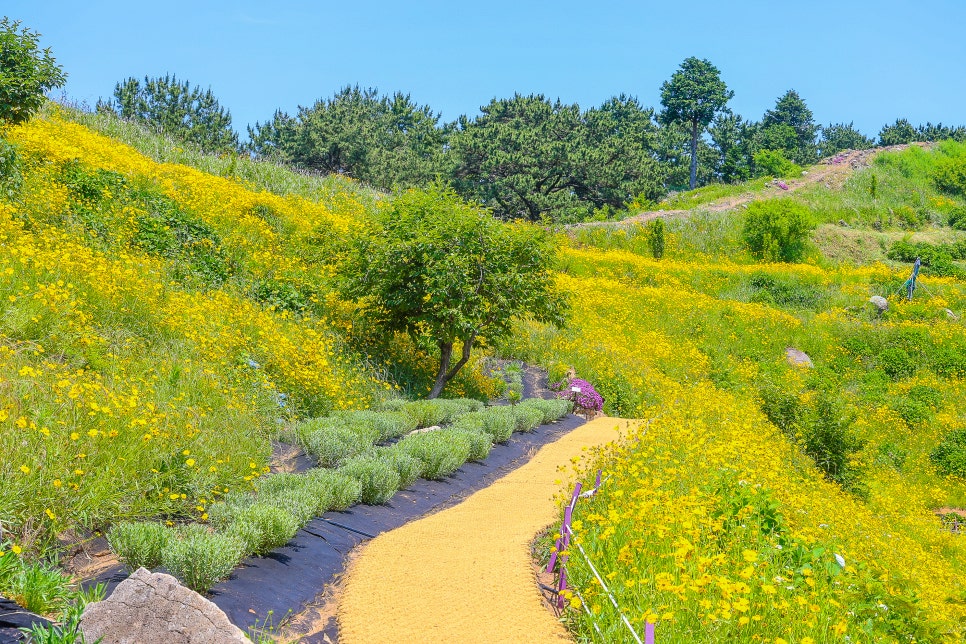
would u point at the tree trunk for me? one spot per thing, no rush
(694, 155)
(445, 354)
(445, 373)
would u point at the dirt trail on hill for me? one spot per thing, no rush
(833, 172)
(464, 574)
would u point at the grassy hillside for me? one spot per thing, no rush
(722, 519)
(163, 315)
(157, 322)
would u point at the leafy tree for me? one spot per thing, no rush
(732, 138)
(693, 95)
(791, 128)
(446, 272)
(529, 158)
(386, 141)
(673, 152)
(27, 72)
(940, 132)
(898, 133)
(517, 157)
(175, 108)
(615, 158)
(839, 136)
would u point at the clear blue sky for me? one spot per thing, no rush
(867, 61)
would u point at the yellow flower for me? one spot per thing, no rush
(25, 469)
(15, 549)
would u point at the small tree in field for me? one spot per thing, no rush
(27, 72)
(446, 272)
(777, 230)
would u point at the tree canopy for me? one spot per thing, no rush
(693, 96)
(529, 158)
(385, 141)
(27, 72)
(446, 272)
(175, 108)
(789, 127)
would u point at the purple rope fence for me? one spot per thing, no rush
(560, 556)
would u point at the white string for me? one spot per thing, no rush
(604, 586)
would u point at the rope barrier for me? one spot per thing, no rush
(562, 546)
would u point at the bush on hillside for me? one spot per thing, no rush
(201, 558)
(262, 527)
(950, 175)
(773, 163)
(379, 478)
(138, 544)
(439, 453)
(949, 457)
(777, 230)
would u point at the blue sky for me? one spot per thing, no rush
(867, 62)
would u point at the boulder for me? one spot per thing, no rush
(798, 358)
(880, 303)
(149, 608)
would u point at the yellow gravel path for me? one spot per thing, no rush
(464, 574)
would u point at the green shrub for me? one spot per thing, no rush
(138, 544)
(552, 410)
(773, 163)
(384, 425)
(786, 291)
(926, 395)
(527, 418)
(262, 528)
(425, 413)
(341, 489)
(405, 465)
(949, 457)
(200, 558)
(782, 407)
(829, 440)
(439, 453)
(892, 455)
(915, 413)
(897, 363)
(439, 411)
(303, 503)
(499, 422)
(950, 175)
(777, 230)
(480, 443)
(957, 218)
(393, 404)
(655, 238)
(333, 445)
(379, 479)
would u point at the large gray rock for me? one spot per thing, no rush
(149, 608)
(880, 303)
(798, 358)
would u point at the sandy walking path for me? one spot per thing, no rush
(464, 574)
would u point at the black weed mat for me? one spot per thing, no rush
(13, 618)
(293, 576)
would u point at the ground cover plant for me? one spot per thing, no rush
(254, 523)
(763, 501)
(156, 323)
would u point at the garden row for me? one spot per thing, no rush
(364, 456)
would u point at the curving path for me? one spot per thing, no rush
(465, 574)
